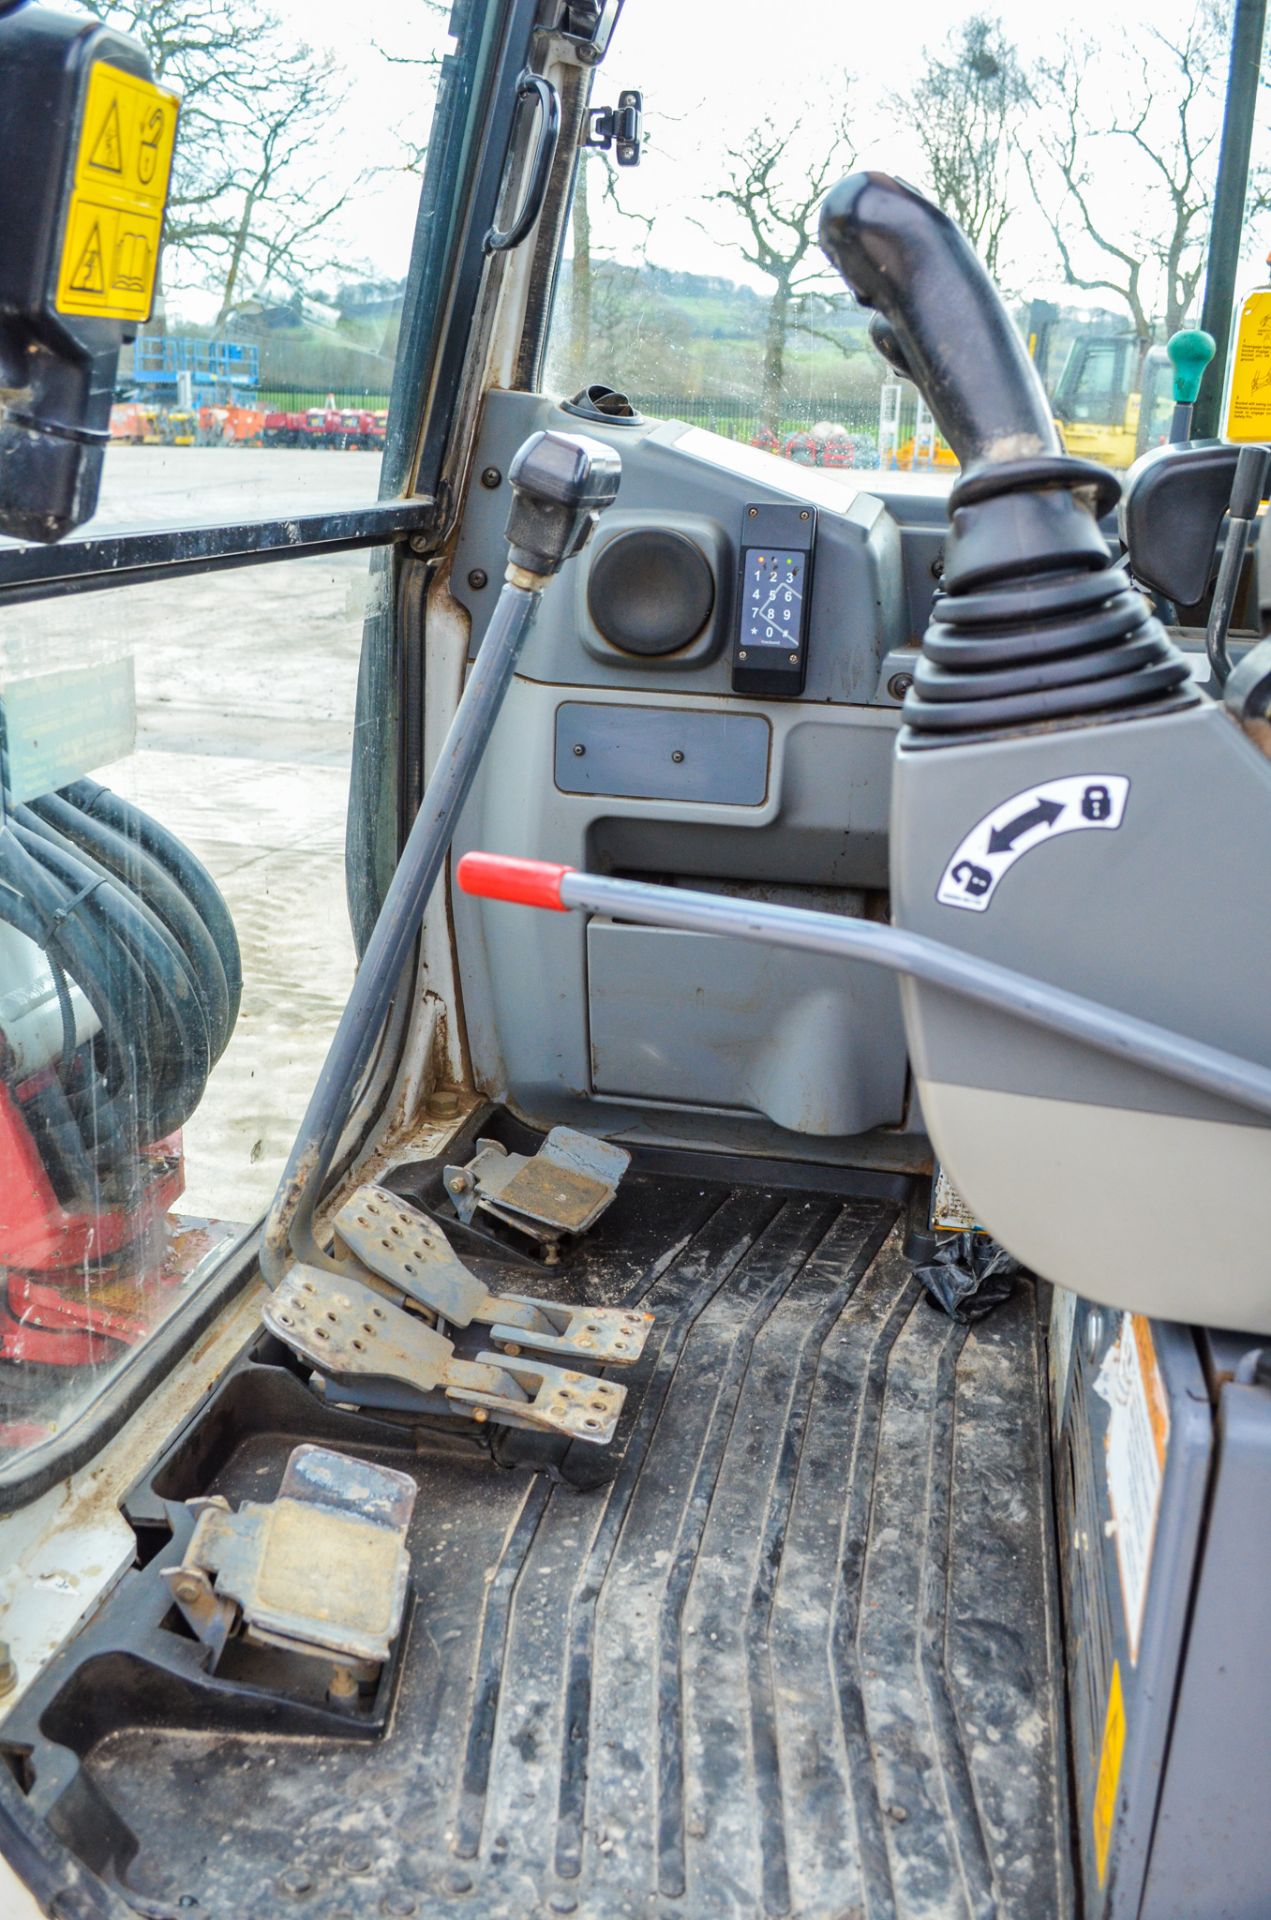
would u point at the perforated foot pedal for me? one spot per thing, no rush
(404, 1247)
(562, 1189)
(321, 1571)
(380, 1355)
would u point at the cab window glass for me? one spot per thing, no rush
(176, 753)
(1077, 151)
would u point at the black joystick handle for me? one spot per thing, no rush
(561, 483)
(1035, 625)
(903, 257)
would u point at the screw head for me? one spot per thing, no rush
(397, 1901)
(478, 578)
(937, 567)
(187, 1590)
(491, 478)
(579, 750)
(458, 1183)
(899, 685)
(355, 1859)
(805, 515)
(456, 1881)
(677, 756)
(741, 653)
(8, 1669)
(296, 1881)
(754, 513)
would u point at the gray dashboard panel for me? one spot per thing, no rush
(629, 1030)
(859, 611)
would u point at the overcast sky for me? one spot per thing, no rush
(708, 70)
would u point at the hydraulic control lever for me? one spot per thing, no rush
(561, 483)
(1036, 625)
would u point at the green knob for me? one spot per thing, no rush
(1190, 353)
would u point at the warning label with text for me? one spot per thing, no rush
(1248, 409)
(114, 221)
(1129, 1382)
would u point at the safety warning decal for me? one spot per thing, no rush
(1027, 820)
(1247, 411)
(1130, 1384)
(114, 219)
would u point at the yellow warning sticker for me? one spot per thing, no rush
(114, 222)
(1247, 414)
(1105, 1791)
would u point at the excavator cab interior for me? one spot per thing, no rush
(695, 1345)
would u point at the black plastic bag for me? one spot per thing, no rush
(968, 1275)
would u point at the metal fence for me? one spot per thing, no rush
(738, 419)
(299, 399)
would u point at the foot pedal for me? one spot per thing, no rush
(355, 1338)
(322, 1570)
(402, 1246)
(562, 1189)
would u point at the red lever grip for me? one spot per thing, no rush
(501, 876)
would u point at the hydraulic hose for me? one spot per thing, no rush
(122, 909)
(126, 861)
(1036, 624)
(181, 1054)
(189, 874)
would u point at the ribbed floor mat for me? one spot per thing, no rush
(798, 1658)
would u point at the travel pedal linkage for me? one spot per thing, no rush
(399, 1244)
(355, 1338)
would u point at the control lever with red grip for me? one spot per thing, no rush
(560, 889)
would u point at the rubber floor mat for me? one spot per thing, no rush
(797, 1658)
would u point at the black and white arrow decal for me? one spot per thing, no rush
(1027, 820)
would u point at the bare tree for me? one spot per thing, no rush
(774, 189)
(249, 195)
(964, 111)
(1127, 192)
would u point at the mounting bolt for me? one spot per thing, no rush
(342, 1687)
(899, 685)
(492, 478)
(8, 1669)
(420, 543)
(187, 1589)
(677, 756)
(480, 1415)
(478, 578)
(444, 1101)
(458, 1183)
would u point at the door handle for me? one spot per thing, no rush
(532, 85)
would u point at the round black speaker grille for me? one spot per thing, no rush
(650, 590)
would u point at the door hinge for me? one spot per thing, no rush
(620, 128)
